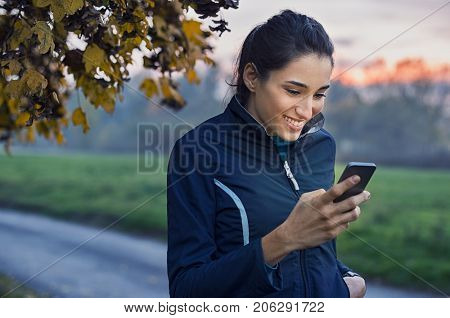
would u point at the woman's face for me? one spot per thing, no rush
(290, 96)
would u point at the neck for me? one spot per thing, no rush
(251, 108)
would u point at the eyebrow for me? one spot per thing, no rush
(304, 85)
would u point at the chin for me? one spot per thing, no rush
(289, 136)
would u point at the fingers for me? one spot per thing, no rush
(345, 218)
(351, 203)
(339, 188)
(337, 224)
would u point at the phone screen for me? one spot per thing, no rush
(365, 171)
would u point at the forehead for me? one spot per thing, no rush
(309, 69)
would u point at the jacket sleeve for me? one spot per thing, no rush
(193, 266)
(341, 266)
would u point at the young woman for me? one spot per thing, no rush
(250, 191)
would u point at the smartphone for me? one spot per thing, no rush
(364, 170)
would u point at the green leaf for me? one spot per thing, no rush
(45, 37)
(14, 66)
(32, 82)
(22, 33)
(41, 3)
(15, 88)
(73, 6)
(93, 57)
(60, 7)
(35, 81)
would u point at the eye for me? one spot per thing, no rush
(320, 96)
(292, 91)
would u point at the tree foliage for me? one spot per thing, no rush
(37, 56)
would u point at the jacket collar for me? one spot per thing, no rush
(311, 126)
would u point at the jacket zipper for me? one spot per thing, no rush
(291, 177)
(293, 182)
(296, 188)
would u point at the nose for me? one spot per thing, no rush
(304, 112)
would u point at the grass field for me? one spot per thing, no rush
(402, 234)
(94, 189)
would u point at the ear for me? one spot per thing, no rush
(250, 77)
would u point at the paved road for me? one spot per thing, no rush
(109, 265)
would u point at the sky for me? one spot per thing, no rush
(358, 28)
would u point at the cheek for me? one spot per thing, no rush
(274, 104)
(318, 107)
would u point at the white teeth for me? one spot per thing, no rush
(292, 121)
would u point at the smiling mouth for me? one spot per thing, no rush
(293, 122)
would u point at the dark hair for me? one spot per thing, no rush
(273, 44)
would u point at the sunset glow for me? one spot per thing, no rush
(404, 71)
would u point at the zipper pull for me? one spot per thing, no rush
(290, 175)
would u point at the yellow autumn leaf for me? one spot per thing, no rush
(127, 27)
(42, 129)
(208, 61)
(108, 100)
(14, 66)
(64, 122)
(192, 30)
(108, 105)
(149, 44)
(59, 137)
(169, 92)
(151, 3)
(192, 76)
(79, 118)
(30, 134)
(13, 105)
(165, 87)
(6, 72)
(149, 87)
(139, 13)
(137, 40)
(22, 118)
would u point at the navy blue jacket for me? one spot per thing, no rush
(227, 187)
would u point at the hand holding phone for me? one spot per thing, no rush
(364, 170)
